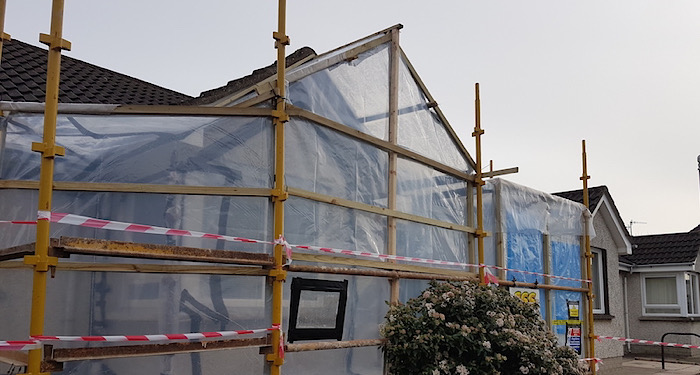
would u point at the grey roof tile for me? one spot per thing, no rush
(664, 248)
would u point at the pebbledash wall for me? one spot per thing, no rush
(347, 88)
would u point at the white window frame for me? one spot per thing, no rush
(682, 304)
(600, 296)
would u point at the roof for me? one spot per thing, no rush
(671, 248)
(258, 75)
(601, 202)
(595, 194)
(23, 79)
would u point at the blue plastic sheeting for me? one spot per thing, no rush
(525, 253)
(426, 192)
(354, 93)
(199, 151)
(327, 162)
(561, 311)
(566, 260)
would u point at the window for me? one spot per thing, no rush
(671, 294)
(317, 309)
(599, 285)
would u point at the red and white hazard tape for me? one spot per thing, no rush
(167, 337)
(19, 345)
(649, 342)
(85, 221)
(36, 341)
(17, 222)
(596, 360)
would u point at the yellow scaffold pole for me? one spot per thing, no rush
(589, 260)
(41, 260)
(3, 35)
(478, 180)
(280, 117)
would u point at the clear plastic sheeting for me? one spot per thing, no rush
(364, 314)
(326, 162)
(429, 242)
(420, 128)
(519, 208)
(354, 93)
(180, 150)
(313, 223)
(426, 192)
(248, 217)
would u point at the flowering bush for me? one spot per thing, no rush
(464, 328)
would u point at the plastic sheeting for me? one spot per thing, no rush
(420, 128)
(312, 223)
(248, 217)
(327, 162)
(365, 311)
(354, 93)
(426, 241)
(200, 151)
(426, 192)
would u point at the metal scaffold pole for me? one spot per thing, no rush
(280, 195)
(589, 259)
(41, 260)
(478, 180)
(3, 35)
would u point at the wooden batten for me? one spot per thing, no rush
(377, 210)
(380, 143)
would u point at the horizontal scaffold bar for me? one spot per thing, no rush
(121, 187)
(54, 358)
(327, 345)
(377, 210)
(71, 245)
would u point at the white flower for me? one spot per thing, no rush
(461, 370)
(524, 369)
(436, 372)
(487, 344)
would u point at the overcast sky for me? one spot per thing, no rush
(624, 75)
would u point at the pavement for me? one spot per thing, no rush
(645, 367)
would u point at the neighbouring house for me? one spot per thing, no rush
(371, 166)
(661, 276)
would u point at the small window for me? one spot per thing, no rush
(599, 281)
(317, 309)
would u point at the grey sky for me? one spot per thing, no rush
(624, 75)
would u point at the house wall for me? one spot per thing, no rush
(612, 323)
(652, 328)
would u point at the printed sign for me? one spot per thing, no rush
(573, 309)
(573, 331)
(573, 337)
(526, 295)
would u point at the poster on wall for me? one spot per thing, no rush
(573, 326)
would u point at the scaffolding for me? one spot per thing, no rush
(347, 150)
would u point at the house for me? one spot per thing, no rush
(23, 79)
(372, 167)
(611, 242)
(662, 289)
